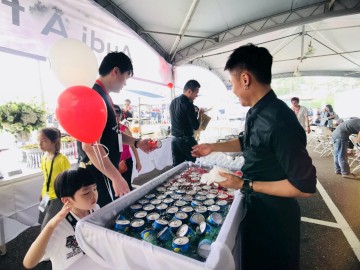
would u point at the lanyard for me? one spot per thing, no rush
(98, 82)
(49, 174)
(72, 220)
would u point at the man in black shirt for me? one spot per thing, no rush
(277, 166)
(184, 120)
(125, 112)
(102, 158)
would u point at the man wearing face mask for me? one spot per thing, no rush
(184, 120)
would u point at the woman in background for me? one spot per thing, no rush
(328, 116)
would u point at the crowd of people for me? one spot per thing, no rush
(277, 167)
(341, 130)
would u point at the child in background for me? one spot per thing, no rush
(126, 155)
(57, 242)
(52, 163)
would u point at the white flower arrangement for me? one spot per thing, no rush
(17, 117)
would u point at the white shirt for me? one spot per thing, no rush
(301, 116)
(63, 250)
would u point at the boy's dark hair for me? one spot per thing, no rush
(54, 135)
(295, 99)
(116, 59)
(255, 59)
(192, 85)
(70, 181)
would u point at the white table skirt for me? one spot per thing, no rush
(117, 251)
(157, 159)
(19, 200)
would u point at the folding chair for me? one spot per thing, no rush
(324, 141)
(356, 157)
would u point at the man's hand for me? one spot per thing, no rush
(232, 181)
(308, 129)
(201, 150)
(120, 187)
(201, 112)
(145, 146)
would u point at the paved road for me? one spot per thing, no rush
(330, 228)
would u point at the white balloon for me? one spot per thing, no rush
(73, 62)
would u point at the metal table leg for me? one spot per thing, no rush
(2, 238)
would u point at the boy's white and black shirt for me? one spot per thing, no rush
(64, 251)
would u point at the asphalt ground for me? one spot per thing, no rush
(330, 227)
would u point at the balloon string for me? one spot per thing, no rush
(102, 165)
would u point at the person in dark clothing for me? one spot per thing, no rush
(114, 70)
(340, 138)
(277, 166)
(184, 120)
(125, 111)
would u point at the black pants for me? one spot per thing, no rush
(104, 196)
(53, 207)
(181, 149)
(271, 234)
(127, 175)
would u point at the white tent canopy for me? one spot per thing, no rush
(204, 32)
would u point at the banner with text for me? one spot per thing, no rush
(30, 27)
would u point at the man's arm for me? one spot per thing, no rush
(193, 118)
(358, 137)
(307, 124)
(207, 148)
(105, 166)
(142, 144)
(282, 188)
(136, 154)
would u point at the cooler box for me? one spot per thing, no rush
(118, 251)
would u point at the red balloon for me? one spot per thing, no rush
(81, 111)
(170, 85)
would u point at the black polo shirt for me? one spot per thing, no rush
(183, 117)
(109, 137)
(274, 145)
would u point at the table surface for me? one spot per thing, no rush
(157, 159)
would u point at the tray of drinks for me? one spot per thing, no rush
(173, 220)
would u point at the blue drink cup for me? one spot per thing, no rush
(122, 225)
(180, 244)
(165, 234)
(204, 248)
(185, 230)
(159, 224)
(197, 218)
(215, 219)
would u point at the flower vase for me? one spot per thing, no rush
(21, 138)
